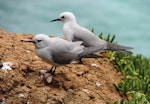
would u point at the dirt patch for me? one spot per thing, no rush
(87, 83)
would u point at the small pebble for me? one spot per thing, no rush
(85, 90)
(94, 65)
(98, 84)
(6, 66)
(3, 101)
(21, 95)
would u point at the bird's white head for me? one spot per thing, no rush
(40, 41)
(66, 17)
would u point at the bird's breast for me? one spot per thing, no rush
(68, 32)
(44, 55)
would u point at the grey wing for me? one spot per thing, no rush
(63, 52)
(62, 57)
(89, 39)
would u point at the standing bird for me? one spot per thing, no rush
(57, 51)
(74, 32)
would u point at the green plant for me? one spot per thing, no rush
(137, 98)
(136, 75)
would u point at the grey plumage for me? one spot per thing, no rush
(74, 32)
(58, 51)
(118, 48)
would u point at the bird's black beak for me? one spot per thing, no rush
(32, 41)
(55, 20)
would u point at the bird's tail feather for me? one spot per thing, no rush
(110, 46)
(119, 48)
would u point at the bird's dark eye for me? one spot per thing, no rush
(63, 17)
(39, 40)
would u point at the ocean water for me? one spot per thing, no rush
(129, 20)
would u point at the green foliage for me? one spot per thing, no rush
(137, 98)
(107, 38)
(136, 75)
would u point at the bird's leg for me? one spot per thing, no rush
(52, 70)
(48, 75)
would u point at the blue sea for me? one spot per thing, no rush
(129, 20)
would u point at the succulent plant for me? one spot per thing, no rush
(136, 75)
